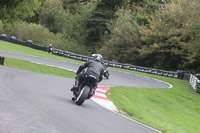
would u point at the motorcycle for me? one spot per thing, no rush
(106, 74)
(50, 49)
(85, 90)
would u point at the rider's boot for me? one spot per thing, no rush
(73, 97)
(75, 87)
(92, 92)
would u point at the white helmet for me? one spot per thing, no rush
(98, 57)
(93, 55)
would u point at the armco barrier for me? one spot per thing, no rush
(195, 83)
(178, 74)
(28, 43)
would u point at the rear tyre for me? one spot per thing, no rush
(83, 95)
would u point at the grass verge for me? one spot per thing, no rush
(171, 110)
(15, 48)
(26, 65)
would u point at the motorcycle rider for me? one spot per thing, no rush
(106, 73)
(49, 48)
(94, 68)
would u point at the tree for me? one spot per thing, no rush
(143, 9)
(97, 25)
(53, 15)
(76, 21)
(1, 27)
(192, 33)
(167, 42)
(35, 18)
(13, 10)
(124, 44)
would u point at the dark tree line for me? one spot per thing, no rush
(160, 34)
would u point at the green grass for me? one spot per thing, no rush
(26, 65)
(171, 110)
(15, 48)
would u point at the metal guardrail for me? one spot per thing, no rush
(29, 43)
(195, 83)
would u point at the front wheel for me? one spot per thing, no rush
(83, 95)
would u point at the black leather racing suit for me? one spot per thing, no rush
(94, 67)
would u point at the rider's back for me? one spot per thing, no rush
(95, 68)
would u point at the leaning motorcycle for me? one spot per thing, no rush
(85, 90)
(106, 74)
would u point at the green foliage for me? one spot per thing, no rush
(167, 56)
(53, 15)
(192, 33)
(75, 26)
(37, 33)
(71, 24)
(42, 36)
(97, 25)
(35, 18)
(1, 27)
(154, 33)
(12, 10)
(124, 42)
(167, 40)
(17, 10)
(143, 9)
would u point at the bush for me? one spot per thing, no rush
(71, 46)
(37, 33)
(42, 36)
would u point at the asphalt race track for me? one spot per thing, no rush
(38, 103)
(116, 78)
